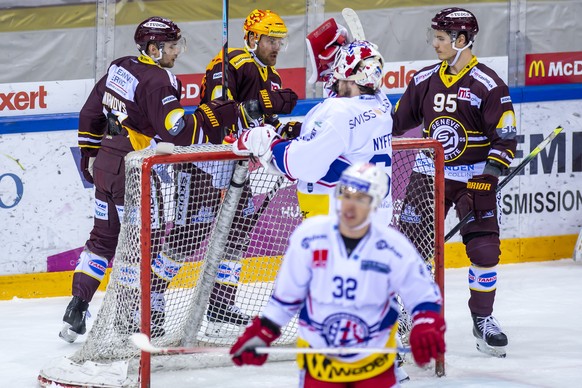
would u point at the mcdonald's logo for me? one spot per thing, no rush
(537, 67)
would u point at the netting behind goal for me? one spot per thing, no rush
(202, 239)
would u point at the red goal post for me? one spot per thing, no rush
(214, 227)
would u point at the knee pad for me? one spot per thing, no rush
(92, 265)
(483, 250)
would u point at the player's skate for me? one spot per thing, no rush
(490, 338)
(220, 315)
(74, 320)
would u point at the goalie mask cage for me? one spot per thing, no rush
(205, 230)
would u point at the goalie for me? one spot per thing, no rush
(341, 275)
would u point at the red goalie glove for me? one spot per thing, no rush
(322, 45)
(483, 192)
(427, 337)
(261, 332)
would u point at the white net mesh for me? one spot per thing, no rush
(214, 247)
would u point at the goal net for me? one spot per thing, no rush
(202, 238)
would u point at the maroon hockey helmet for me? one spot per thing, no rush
(156, 29)
(455, 20)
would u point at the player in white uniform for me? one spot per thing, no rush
(355, 126)
(341, 273)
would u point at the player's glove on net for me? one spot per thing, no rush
(427, 337)
(261, 332)
(483, 193)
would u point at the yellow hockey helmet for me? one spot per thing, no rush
(264, 22)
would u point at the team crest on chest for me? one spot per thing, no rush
(451, 134)
(343, 329)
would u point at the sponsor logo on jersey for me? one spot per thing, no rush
(451, 134)
(475, 101)
(121, 82)
(464, 94)
(305, 242)
(483, 78)
(369, 265)
(217, 75)
(506, 99)
(319, 258)
(344, 330)
(421, 76)
(167, 100)
(275, 86)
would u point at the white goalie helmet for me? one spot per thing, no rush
(359, 61)
(364, 178)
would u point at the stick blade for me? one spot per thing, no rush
(142, 342)
(354, 24)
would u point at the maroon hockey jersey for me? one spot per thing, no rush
(145, 99)
(469, 113)
(245, 77)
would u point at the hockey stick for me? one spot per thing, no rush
(142, 342)
(354, 24)
(577, 256)
(509, 177)
(224, 49)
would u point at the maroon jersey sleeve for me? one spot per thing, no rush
(92, 121)
(499, 123)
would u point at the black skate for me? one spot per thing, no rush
(74, 320)
(490, 338)
(221, 314)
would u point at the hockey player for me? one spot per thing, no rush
(467, 107)
(341, 273)
(251, 73)
(134, 106)
(355, 126)
(251, 78)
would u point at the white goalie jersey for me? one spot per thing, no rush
(348, 301)
(336, 133)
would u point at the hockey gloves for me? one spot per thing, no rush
(427, 337)
(323, 44)
(258, 142)
(218, 119)
(291, 130)
(261, 332)
(278, 101)
(87, 167)
(483, 193)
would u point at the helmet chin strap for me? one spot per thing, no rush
(459, 51)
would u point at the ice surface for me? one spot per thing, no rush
(539, 306)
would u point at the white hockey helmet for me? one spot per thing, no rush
(364, 178)
(359, 61)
